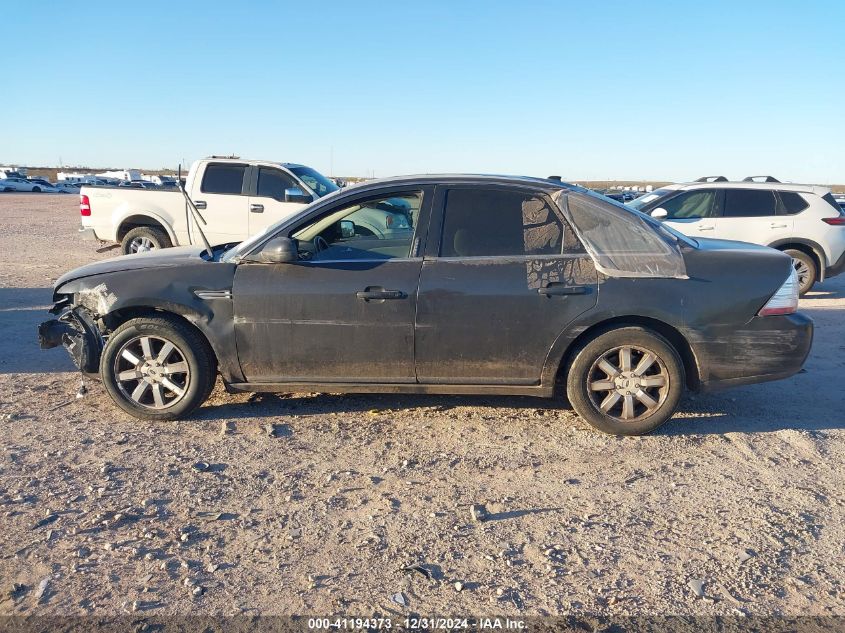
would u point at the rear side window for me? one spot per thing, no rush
(749, 203)
(792, 202)
(272, 183)
(223, 178)
(828, 197)
(488, 222)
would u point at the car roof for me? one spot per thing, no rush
(779, 186)
(445, 179)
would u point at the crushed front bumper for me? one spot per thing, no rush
(74, 330)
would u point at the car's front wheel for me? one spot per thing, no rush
(625, 381)
(805, 268)
(158, 368)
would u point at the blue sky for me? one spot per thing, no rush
(587, 90)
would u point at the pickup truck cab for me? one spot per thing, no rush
(236, 198)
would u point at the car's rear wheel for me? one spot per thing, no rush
(158, 368)
(805, 267)
(144, 238)
(625, 381)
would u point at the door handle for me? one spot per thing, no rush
(560, 289)
(200, 204)
(379, 295)
(256, 208)
(706, 228)
(773, 225)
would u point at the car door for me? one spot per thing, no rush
(752, 215)
(502, 278)
(222, 201)
(693, 212)
(344, 312)
(267, 203)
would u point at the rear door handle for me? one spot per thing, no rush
(379, 295)
(706, 228)
(560, 289)
(256, 208)
(777, 226)
(200, 204)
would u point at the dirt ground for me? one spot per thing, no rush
(328, 504)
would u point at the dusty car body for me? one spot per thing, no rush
(479, 295)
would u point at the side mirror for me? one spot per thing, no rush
(295, 194)
(279, 250)
(347, 229)
(660, 213)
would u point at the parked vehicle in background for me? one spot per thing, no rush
(68, 187)
(23, 184)
(840, 200)
(496, 285)
(803, 221)
(237, 198)
(41, 182)
(138, 184)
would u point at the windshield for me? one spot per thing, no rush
(649, 197)
(316, 181)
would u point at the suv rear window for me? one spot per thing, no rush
(749, 203)
(223, 178)
(791, 202)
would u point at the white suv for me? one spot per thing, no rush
(802, 220)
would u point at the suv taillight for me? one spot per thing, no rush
(84, 206)
(838, 221)
(785, 300)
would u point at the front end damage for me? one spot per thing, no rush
(76, 330)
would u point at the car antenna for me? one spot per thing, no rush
(195, 212)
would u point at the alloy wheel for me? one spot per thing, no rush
(152, 372)
(802, 270)
(141, 244)
(628, 383)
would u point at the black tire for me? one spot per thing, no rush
(583, 371)
(807, 270)
(36, 190)
(153, 235)
(196, 383)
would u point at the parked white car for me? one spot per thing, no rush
(235, 197)
(68, 187)
(23, 184)
(803, 221)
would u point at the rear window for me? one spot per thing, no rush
(749, 203)
(791, 202)
(223, 178)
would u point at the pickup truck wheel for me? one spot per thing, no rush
(805, 267)
(158, 368)
(626, 381)
(144, 238)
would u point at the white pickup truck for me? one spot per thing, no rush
(235, 197)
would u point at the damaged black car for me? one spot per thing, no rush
(476, 285)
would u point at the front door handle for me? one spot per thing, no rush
(256, 208)
(706, 228)
(200, 204)
(372, 294)
(560, 289)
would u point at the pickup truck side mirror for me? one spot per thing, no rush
(660, 213)
(279, 250)
(295, 194)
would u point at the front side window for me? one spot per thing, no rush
(749, 203)
(223, 178)
(692, 204)
(490, 223)
(272, 183)
(316, 181)
(377, 228)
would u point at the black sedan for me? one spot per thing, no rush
(493, 285)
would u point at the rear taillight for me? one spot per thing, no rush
(837, 221)
(785, 300)
(84, 206)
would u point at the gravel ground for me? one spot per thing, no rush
(329, 504)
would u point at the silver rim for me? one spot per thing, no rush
(152, 372)
(628, 383)
(141, 245)
(803, 271)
